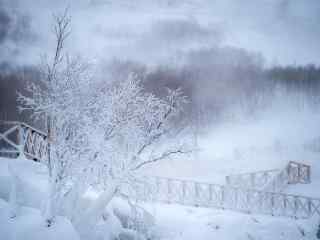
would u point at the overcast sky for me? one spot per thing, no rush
(153, 31)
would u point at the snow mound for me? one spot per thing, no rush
(33, 181)
(29, 224)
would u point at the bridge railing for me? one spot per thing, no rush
(17, 138)
(272, 180)
(201, 194)
(256, 180)
(298, 173)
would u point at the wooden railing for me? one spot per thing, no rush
(249, 193)
(18, 139)
(272, 180)
(201, 194)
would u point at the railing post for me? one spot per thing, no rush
(259, 207)
(210, 193)
(222, 200)
(248, 200)
(272, 204)
(21, 142)
(299, 173)
(284, 205)
(183, 191)
(228, 180)
(296, 207)
(196, 193)
(288, 173)
(309, 208)
(169, 190)
(308, 174)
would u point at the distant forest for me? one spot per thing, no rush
(213, 87)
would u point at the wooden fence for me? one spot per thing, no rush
(247, 193)
(272, 180)
(18, 138)
(210, 195)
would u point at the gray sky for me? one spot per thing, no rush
(153, 31)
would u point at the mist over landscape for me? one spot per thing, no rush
(249, 71)
(229, 58)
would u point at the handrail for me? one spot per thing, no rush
(277, 179)
(203, 194)
(28, 141)
(25, 125)
(33, 143)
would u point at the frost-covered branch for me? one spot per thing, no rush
(163, 156)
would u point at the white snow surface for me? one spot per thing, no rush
(29, 224)
(174, 222)
(266, 143)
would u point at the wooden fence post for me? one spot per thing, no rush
(21, 142)
(210, 193)
(222, 199)
(296, 206)
(196, 192)
(228, 180)
(169, 190)
(184, 195)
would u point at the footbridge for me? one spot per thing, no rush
(260, 192)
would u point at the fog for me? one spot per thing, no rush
(285, 32)
(244, 65)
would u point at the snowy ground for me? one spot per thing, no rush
(176, 222)
(29, 224)
(172, 222)
(267, 143)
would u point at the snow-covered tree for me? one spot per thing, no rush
(132, 129)
(101, 134)
(59, 97)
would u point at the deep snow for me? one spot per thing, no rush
(170, 221)
(29, 224)
(269, 141)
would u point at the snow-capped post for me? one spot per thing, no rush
(21, 142)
